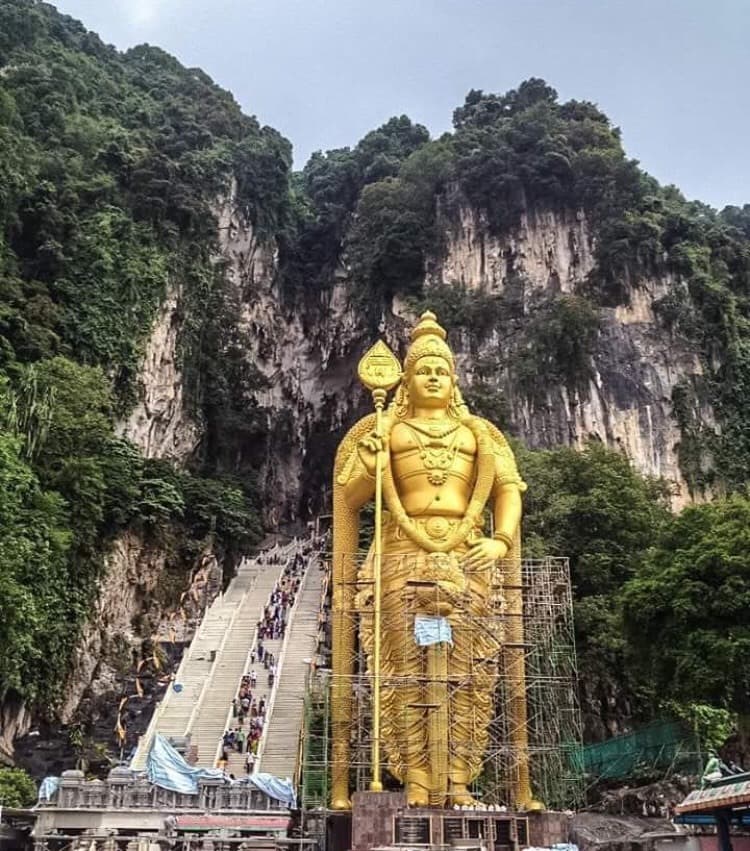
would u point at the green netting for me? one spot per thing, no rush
(662, 745)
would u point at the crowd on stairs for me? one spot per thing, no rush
(248, 712)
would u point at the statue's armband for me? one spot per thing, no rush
(506, 471)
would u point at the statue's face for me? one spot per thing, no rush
(431, 383)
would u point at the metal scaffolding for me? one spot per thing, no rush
(553, 714)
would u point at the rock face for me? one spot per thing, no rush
(553, 250)
(304, 355)
(15, 721)
(308, 353)
(627, 403)
(145, 614)
(139, 604)
(160, 424)
(114, 629)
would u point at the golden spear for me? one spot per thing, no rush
(380, 371)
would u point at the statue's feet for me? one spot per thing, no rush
(341, 803)
(459, 795)
(416, 795)
(417, 788)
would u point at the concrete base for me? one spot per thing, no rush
(338, 831)
(382, 819)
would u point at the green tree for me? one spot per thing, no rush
(17, 789)
(593, 507)
(34, 546)
(686, 608)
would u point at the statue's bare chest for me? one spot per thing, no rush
(432, 451)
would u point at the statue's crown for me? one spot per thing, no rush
(427, 338)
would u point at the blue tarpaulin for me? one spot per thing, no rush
(274, 787)
(429, 629)
(48, 788)
(166, 768)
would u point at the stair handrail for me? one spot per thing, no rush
(147, 737)
(228, 719)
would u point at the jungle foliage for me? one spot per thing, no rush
(686, 607)
(110, 167)
(17, 788)
(660, 600)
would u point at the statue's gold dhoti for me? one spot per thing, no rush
(408, 681)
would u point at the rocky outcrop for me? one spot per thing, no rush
(552, 250)
(113, 632)
(15, 721)
(139, 602)
(305, 357)
(627, 403)
(309, 356)
(160, 424)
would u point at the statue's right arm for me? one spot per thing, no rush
(355, 464)
(360, 485)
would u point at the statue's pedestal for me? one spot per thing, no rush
(382, 820)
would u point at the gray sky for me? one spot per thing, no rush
(673, 74)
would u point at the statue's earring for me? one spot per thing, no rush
(401, 401)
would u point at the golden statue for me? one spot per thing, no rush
(431, 583)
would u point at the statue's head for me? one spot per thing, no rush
(429, 371)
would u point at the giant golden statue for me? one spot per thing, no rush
(429, 592)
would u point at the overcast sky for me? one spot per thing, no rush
(673, 74)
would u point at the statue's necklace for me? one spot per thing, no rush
(433, 428)
(482, 487)
(437, 456)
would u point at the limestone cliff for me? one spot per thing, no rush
(627, 402)
(126, 611)
(160, 424)
(305, 357)
(308, 358)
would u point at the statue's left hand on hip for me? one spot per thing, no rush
(484, 553)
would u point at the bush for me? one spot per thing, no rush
(17, 789)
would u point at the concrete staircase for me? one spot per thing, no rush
(210, 720)
(279, 745)
(214, 664)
